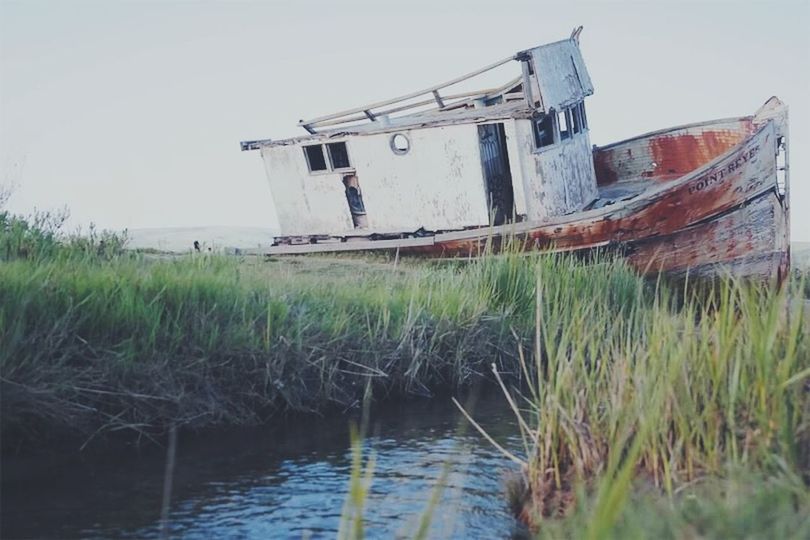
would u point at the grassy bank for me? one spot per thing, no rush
(645, 406)
(680, 416)
(687, 416)
(94, 339)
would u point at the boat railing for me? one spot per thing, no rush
(372, 112)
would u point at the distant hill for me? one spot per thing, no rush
(181, 239)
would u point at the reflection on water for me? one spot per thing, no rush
(287, 482)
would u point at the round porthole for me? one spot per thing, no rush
(400, 143)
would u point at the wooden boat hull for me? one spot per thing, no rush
(728, 215)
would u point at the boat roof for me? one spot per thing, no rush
(553, 76)
(413, 121)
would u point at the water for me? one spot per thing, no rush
(282, 482)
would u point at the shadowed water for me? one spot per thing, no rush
(287, 482)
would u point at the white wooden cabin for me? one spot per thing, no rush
(435, 161)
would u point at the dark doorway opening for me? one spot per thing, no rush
(355, 199)
(497, 175)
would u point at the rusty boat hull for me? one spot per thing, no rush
(704, 199)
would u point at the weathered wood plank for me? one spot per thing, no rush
(745, 241)
(353, 245)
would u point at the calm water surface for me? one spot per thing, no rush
(282, 482)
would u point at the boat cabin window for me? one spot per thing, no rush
(544, 131)
(564, 121)
(315, 159)
(569, 121)
(582, 117)
(338, 155)
(576, 119)
(400, 143)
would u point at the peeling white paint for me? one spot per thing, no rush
(558, 179)
(305, 203)
(513, 148)
(437, 185)
(561, 74)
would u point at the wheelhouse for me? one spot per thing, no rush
(443, 158)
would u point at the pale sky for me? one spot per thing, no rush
(130, 113)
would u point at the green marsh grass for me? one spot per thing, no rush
(682, 392)
(94, 339)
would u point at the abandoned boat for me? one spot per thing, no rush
(455, 174)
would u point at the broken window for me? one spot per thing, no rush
(315, 160)
(355, 199)
(564, 121)
(583, 118)
(781, 166)
(544, 131)
(576, 119)
(338, 155)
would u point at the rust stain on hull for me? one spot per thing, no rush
(746, 238)
(668, 155)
